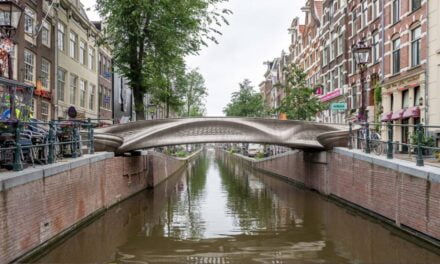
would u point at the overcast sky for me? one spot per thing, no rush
(257, 33)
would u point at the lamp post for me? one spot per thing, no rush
(151, 108)
(10, 16)
(361, 52)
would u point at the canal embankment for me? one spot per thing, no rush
(39, 206)
(394, 191)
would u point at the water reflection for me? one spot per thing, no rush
(219, 212)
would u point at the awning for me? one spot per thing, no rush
(412, 112)
(386, 117)
(398, 114)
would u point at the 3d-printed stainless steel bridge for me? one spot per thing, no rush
(155, 133)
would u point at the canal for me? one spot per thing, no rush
(218, 212)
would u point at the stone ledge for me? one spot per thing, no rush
(429, 173)
(10, 180)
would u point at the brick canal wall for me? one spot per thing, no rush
(394, 190)
(39, 205)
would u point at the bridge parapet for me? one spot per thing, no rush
(156, 133)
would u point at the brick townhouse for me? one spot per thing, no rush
(364, 24)
(33, 58)
(334, 59)
(404, 64)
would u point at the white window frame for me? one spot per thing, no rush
(73, 45)
(61, 83)
(82, 52)
(45, 74)
(91, 58)
(61, 31)
(29, 64)
(29, 21)
(45, 34)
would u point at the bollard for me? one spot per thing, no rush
(74, 143)
(17, 165)
(350, 135)
(390, 141)
(420, 161)
(51, 158)
(90, 136)
(367, 138)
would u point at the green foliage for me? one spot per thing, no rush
(260, 155)
(194, 94)
(378, 105)
(246, 102)
(181, 154)
(150, 39)
(299, 102)
(427, 141)
(378, 95)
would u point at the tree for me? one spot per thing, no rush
(149, 36)
(245, 102)
(299, 102)
(194, 94)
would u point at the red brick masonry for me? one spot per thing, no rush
(405, 194)
(39, 204)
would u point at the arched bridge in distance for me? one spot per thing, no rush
(166, 132)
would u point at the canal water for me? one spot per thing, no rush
(216, 211)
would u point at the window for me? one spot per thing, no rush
(417, 96)
(376, 9)
(82, 52)
(92, 97)
(73, 45)
(341, 76)
(91, 58)
(416, 35)
(391, 102)
(45, 74)
(324, 56)
(396, 56)
(354, 97)
(396, 11)
(341, 44)
(73, 88)
(376, 48)
(61, 36)
(405, 99)
(61, 86)
(416, 4)
(44, 111)
(29, 66)
(29, 21)
(82, 93)
(335, 79)
(353, 23)
(364, 16)
(45, 34)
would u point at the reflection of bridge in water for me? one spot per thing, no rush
(166, 132)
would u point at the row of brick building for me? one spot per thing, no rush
(403, 62)
(56, 51)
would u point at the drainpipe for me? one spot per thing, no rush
(427, 67)
(55, 31)
(382, 22)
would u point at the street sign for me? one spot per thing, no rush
(338, 106)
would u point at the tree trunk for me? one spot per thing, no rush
(139, 105)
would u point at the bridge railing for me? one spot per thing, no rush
(37, 142)
(403, 141)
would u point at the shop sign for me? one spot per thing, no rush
(330, 95)
(338, 106)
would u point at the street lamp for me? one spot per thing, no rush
(361, 53)
(10, 16)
